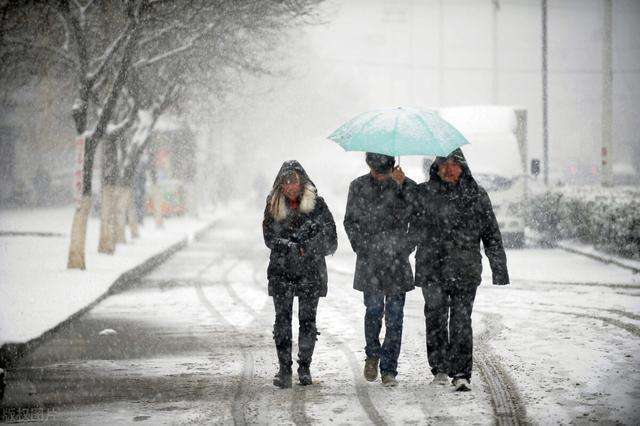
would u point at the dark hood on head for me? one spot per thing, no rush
(458, 157)
(292, 166)
(381, 163)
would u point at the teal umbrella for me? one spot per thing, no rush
(399, 131)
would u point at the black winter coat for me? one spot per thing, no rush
(377, 224)
(449, 222)
(310, 227)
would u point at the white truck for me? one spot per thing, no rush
(497, 156)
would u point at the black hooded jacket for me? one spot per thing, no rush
(377, 224)
(310, 228)
(449, 223)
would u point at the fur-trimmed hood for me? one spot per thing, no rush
(309, 192)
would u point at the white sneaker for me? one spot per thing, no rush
(441, 379)
(461, 384)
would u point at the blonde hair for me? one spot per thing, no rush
(276, 204)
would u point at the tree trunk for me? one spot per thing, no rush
(121, 215)
(83, 207)
(132, 218)
(107, 244)
(78, 234)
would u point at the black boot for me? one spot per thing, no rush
(304, 375)
(282, 379)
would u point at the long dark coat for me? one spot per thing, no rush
(448, 225)
(310, 227)
(377, 224)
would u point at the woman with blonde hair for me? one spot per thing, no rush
(299, 229)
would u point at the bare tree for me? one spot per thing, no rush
(131, 60)
(196, 47)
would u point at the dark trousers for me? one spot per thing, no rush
(392, 308)
(307, 308)
(447, 311)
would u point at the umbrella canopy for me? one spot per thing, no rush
(399, 131)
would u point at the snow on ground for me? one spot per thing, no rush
(542, 265)
(37, 292)
(565, 331)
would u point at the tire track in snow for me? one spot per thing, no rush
(633, 329)
(237, 408)
(424, 407)
(507, 403)
(505, 398)
(299, 398)
(298, 402)
(619, 312)
(624, 314)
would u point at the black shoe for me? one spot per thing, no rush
(304, 375)
(282, 379)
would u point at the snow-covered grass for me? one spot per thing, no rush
(608, 218)
(37, 292)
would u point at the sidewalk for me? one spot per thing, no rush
(589, 251)
(37, 292)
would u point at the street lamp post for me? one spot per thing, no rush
(607, 96)
(545, 118)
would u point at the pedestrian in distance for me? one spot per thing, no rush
(377, 224)
(453, 215)
(299, 230)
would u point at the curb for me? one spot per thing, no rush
(10, 353)
(595, 256)
(600, 258)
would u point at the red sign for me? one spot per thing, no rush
(78, 166)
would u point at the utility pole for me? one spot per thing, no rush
(494, 82)
(441, 53)
(545, 118)
(607, 96)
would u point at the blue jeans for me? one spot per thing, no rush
(392, 308)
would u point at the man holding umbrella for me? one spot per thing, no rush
(376, 221)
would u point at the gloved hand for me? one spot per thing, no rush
(293, 247)
(500, 277)
(294, 255)
(308, 230)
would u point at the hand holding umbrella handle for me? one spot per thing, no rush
(398, 175)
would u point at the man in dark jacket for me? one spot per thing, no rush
(454, 214)
(377, 221)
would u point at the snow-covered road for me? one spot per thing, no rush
(191, 343)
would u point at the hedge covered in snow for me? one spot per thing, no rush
(608, 218)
